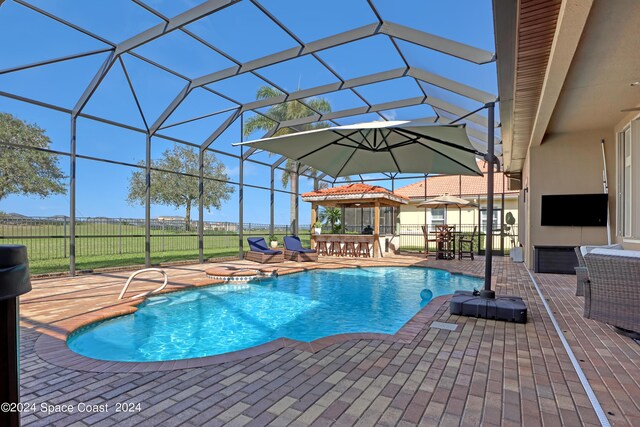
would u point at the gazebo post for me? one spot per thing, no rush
(314, 218)
(376, 229)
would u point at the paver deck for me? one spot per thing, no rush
(483, 373)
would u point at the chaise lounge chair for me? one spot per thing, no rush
(294, 251)
(259, 252)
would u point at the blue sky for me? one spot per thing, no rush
(241, 32)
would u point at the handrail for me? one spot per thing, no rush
(144, 270)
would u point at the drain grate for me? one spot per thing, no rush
(445, 326)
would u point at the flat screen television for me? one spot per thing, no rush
(574, 210)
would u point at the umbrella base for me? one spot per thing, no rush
(507, 308)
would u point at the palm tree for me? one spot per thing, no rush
(331, 216)
(282, 112)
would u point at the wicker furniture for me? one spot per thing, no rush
(294, 251)
(259, 252)
(581, 273)
(465, 244)
(612, 293)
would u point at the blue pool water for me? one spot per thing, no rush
(303, 306)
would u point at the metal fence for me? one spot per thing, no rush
(412, 238)
(109, 242)
(47, 238)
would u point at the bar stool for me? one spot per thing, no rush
(349, 247)
(321, 247)
(335, 248)
(364, 250)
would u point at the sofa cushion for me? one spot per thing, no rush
(615, 252)
(587, 249)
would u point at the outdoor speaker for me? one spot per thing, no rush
(14, 281)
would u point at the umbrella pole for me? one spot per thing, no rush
(487, 292)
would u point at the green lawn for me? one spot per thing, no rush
(116, 245)
(124, 260)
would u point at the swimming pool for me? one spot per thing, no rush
(302, 306)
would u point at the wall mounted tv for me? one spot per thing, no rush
(574, 210)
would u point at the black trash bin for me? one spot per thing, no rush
(14, 281)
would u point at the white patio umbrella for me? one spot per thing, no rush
(446, 201)
(394, 146)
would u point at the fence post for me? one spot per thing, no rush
(162, 236)
(64, 237)
(120, 236)
(72, 199)
(147, 204)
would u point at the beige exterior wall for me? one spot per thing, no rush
(412, 215)
(565, 164)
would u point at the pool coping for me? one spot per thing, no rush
(53, 348)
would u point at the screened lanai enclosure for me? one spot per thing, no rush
(132, 108)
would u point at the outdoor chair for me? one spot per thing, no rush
(294, 251)
(335, 248)
(363, 249)
(427, 239)
(349, 246)
(259, 252)
(322, 248)
(581, 273)
(465, 244)
(444, 241)
(612, 293)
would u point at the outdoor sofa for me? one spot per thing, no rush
(612, 293)
(581, 270)
(294, 251)
(260, 252)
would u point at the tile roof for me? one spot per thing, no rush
(454, 185)
(356, 188)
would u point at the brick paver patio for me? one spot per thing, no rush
(483, 373)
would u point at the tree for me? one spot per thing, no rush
(331, 217)
(283, 112)
(178, 190)
(24, 170)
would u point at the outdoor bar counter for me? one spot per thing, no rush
(358, 196)
(348, 244)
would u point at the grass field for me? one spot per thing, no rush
(116, 244)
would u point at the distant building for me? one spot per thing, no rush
(471, 188)
(170, 218)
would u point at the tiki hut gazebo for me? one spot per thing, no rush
(353, 196)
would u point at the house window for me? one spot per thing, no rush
(624, 181)
(438, 216)
(497, 214)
